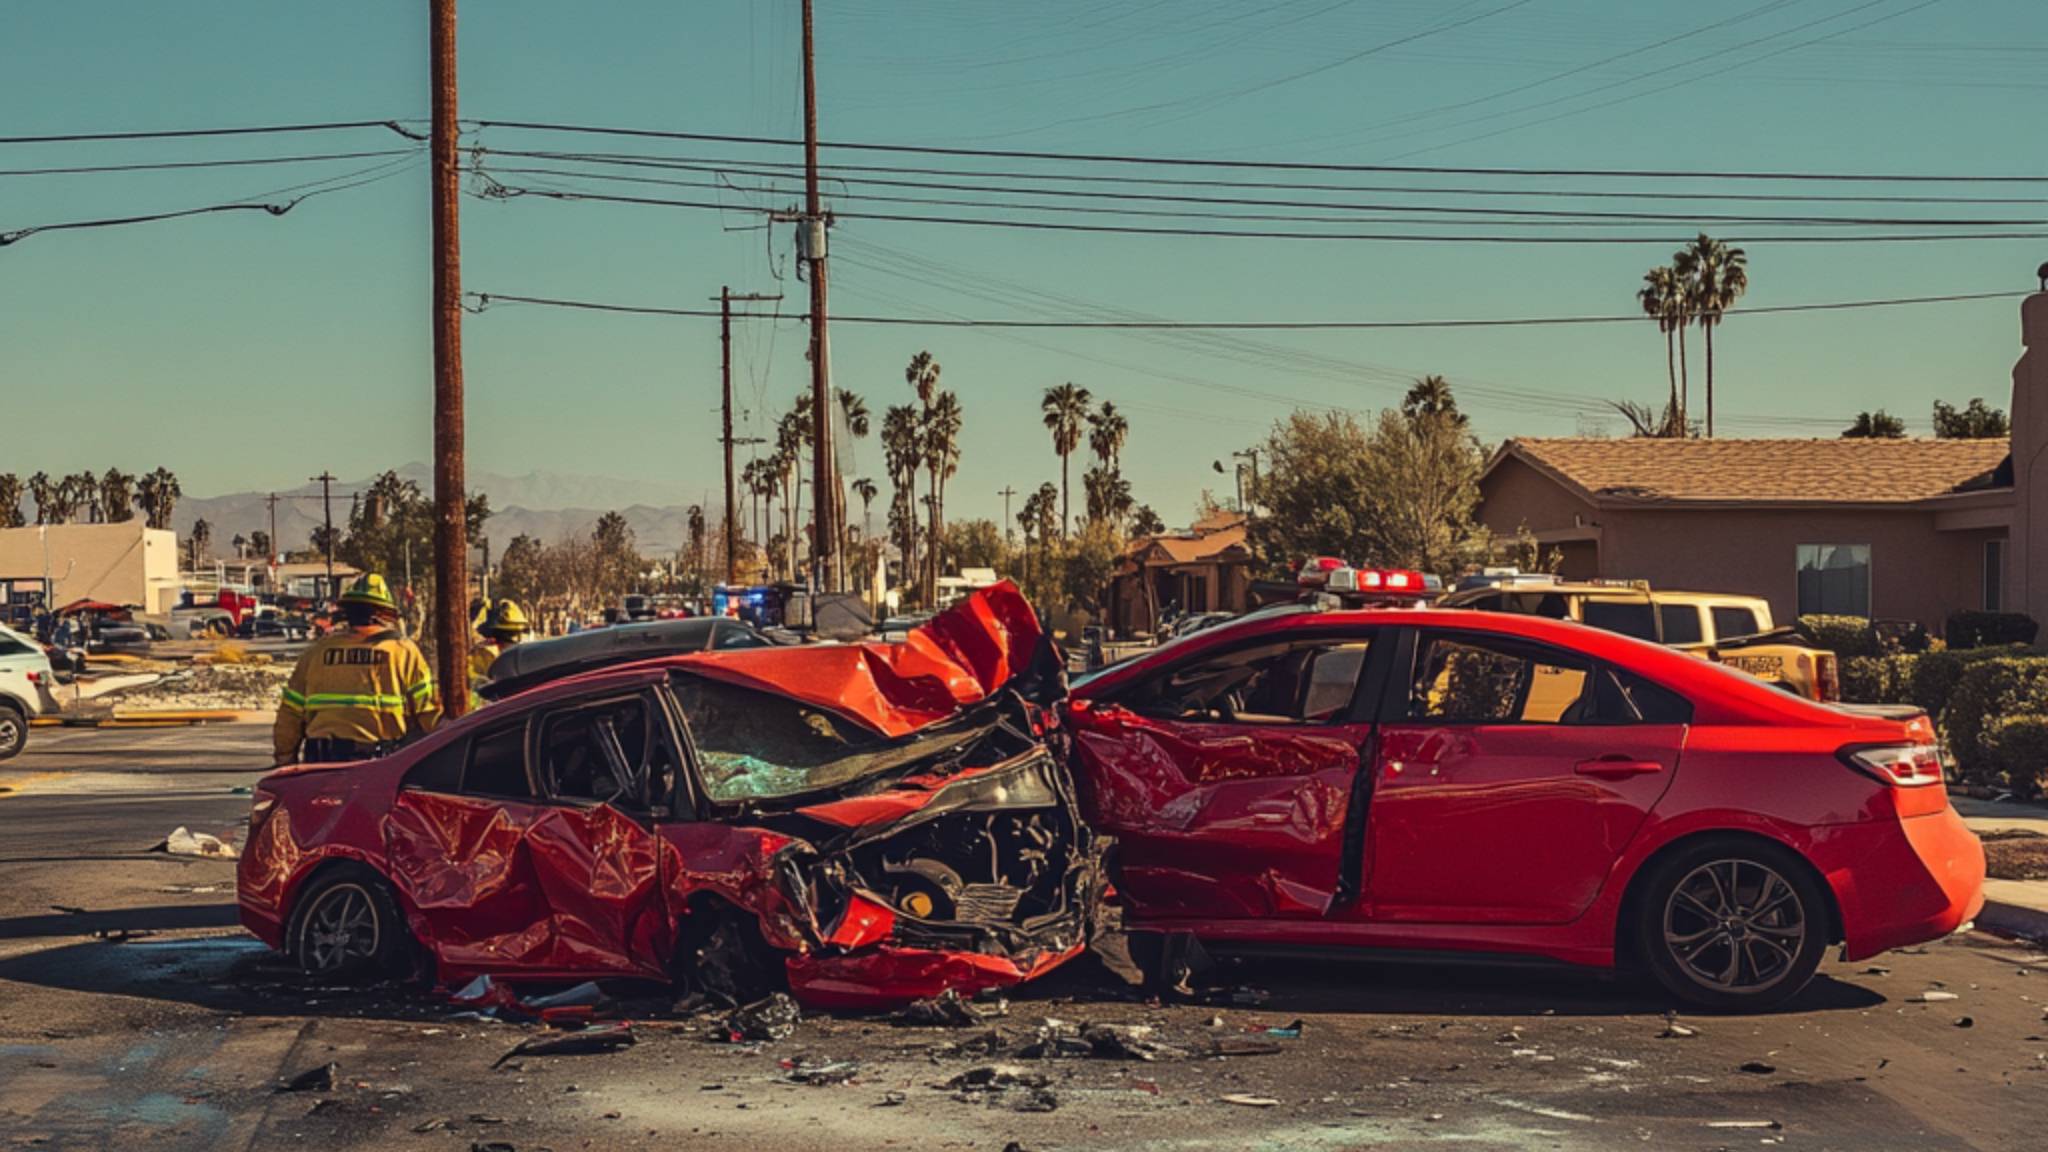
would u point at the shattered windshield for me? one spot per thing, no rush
(754, 745)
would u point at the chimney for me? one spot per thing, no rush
(2027, 553)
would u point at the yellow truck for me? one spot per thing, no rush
(1722, 627)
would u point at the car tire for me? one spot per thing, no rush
(1147, 951)
(1733, 925)
(13, 731)
(348, 928)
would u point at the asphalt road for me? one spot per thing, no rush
(169, 1030)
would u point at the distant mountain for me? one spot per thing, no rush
(546, 505)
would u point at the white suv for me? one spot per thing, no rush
(25, 682)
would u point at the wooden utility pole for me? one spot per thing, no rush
(811, 246)
(270, 556)
(1007, 492)
(326, 482)
(725, 299)
(451, 559)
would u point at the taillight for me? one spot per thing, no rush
(1827, 679)
(1899, 765)
(35, 677)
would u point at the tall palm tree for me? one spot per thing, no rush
(1107, 432)
(923, 377)
(43, 491)
(1719, 275)
(942, 421)
(1682, 317)
(117, 496)
(1661, 298)
(1065, 409)
(696, 530)
(853, 411)
(903, 452)
(866, 490)
(158, 493)
(10, 500)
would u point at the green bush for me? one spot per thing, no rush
(2016, 747)
(1967, 629)
(1845, 636)
(1936, 673)
(1872, 679)
(1992, 690)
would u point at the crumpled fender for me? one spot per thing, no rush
(889, 976)
(959, 657)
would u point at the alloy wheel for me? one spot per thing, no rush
(1735, 926)
(341, 930)
(11, 730)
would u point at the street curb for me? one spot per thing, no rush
(137, 719)
(2013, 920)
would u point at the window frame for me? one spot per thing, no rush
(525, 725)
(660, 725)
(1366, 696)
(1700, 618)
(1869, 579)
(1398, 695)
(1714, 615)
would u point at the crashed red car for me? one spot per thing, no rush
(1453, 784)
(872, 823)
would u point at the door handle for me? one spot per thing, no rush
(1617, 767)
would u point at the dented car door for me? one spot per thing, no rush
(1227, 778)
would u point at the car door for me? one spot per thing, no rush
(1510, 778)
(1226, 778)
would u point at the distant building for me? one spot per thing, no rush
(128, 564)
(1891, 529)
(1205, 569)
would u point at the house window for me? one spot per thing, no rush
(1994, 575)
(1834, 579)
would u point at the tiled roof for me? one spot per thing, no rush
(1854, 471)
(1193, 549)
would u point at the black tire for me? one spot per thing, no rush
(13, 731)
(1733, 925)
(347, 928)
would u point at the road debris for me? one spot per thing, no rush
(1758, 1068)
(1246, 1100)
(1673, 1030)
(596, 1038)
(951, 1010)
(1965, 1022)
(1004, 1086)
(1931, 997)
(819, 1073)
(773, 1018)
(184, 842)
(1756, 1125)
(321, 1079)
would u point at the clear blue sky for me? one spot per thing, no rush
(248, 352)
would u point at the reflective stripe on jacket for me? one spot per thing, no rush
(371, 686)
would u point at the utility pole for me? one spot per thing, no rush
(725, 299)
(811, 246)
(1007, 492)
(326, 482)
(451, 556)
(271, 557)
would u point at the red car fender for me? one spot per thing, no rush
(887, 977)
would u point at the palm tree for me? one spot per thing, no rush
(942, 421)
(1431, 396)
(43, 491)
(1109, 494)
(117, 496)
(866, 490)
(202, 538)
(10, 500)
(81, 497)
(158, 494)
(1661, 297)
(1718, 276)
(1107, 432)
(1682, 316)
(923, 377)
(696, 529)
(1065, 409)
(903, 452)
(853, 410)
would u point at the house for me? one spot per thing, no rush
(1893, 529)
(1205, 569)
(130, 564)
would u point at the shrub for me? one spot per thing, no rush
(1935, 674)
(2016, 747)
(1902, 635)
(1967, 629)
(1845, 636)
(1870, 680)
(1992, 690)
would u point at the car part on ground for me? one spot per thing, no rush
(868, 825)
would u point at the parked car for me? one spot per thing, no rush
(272, 626)
(870, 823)
(25, 682)
(1431, 781)
(119, 637)
(1725, 627)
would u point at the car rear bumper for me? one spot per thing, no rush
(890, 976)
(1905, 882)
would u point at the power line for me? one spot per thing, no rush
(1276, 165)
(167, 165)
(508, 192)
(397, 126)
(482, 301)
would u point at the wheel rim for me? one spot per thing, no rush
(1735, 926)
(10, 735)
(341, 930)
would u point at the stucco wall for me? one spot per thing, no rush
(120, 563)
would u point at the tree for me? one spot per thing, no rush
(1146, 522)
(1878, 425)
(1109, 494)
(1065, 409)
(116, 497)
(390, 529)
(696, 529)
(942, 420)
(82, 497)
(1663, 299)
(260, 544)
(866, 490)
(1431, 396)
(1089, 559)
(616, 559)
(1716, 276)
(520, 571)
(903, 454)
(1649, 424)
(1425, 471)
(1107, 432)
(974, 544)
(10, 501)
(853, 412)
(1977, 421)
(43, 491)
(158, 493)
(202, 539)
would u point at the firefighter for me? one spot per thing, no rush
(359, 692)
(504, 626)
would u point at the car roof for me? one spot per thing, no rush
(1730, 696)
(524, 665)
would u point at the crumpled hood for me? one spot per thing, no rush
(959, 657)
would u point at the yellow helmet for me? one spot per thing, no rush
(370, 589)
(507, 619)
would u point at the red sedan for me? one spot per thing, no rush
(871, 823)
(1433, 781)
